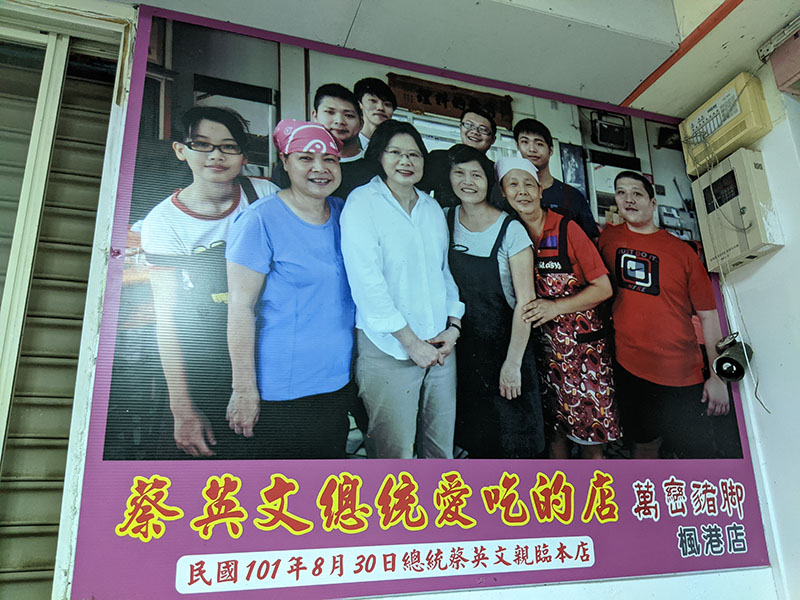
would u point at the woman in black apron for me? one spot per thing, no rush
(499, 412)
(571, 280)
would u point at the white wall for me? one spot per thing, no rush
(750, 584)
(764, 298)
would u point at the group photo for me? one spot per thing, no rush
(392, 265)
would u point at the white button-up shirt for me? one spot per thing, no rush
(397, 266)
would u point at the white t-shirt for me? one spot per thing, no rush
(171, 228)
(480, 243)
(397, 266)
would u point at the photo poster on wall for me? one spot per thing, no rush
(159, 519)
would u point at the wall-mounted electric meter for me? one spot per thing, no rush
(737, 221)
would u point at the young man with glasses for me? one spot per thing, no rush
(183, 238)
(535, 143)
(479, 131)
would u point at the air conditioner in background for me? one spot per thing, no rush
(737, 221)
(733, 118)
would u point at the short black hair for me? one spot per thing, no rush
(235, 123)
(381, 137)
(648, 187)
(337, 90)
(533, 127)
(376, 87)
(459, 154)
(481, 113)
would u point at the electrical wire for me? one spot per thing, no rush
(724, 285)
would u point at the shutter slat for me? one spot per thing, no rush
(30, 502)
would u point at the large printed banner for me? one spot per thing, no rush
(156, 522)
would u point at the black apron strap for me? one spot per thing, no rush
(451, 223)
(563, 251)
(248, 189)
(501, 236)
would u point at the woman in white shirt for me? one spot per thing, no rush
(408, 314)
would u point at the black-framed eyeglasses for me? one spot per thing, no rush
(207, 147)
(482, 129)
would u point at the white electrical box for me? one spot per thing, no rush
(737, 221)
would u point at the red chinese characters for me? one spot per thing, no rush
(704, 498)
(397, 502)
(221, 506)
(600, 502)
(732, 497)
(147, 509)
(553, 498)
(276, 498)
(450, 499)
(675, 496)
(646, 506)
(505, 496)
(340, 506)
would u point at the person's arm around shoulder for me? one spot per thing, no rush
(521, 266)
(244, 288)
(598, 287)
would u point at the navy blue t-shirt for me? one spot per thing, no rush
(566, 200)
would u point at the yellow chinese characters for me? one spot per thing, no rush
(600, 501)
(450, 499)
(504, 496)
(276, 499)
(340, 505)
(147, 509)
(397, 502)
(553, 498)
(222, 506)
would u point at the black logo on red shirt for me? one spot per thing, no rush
(637, 271)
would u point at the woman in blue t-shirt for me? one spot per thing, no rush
(290, 313)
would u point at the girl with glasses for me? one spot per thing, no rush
(183, 238)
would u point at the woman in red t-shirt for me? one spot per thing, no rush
(571, 280)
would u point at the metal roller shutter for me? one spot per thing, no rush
(31, 480)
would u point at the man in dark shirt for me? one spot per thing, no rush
(377, 102)
(336, 109)
(478, 130)
(535, 143)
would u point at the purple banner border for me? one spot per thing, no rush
(97, 470)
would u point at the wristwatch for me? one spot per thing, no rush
(452, 324)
